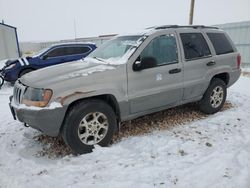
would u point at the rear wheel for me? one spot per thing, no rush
(214, 98)
(89, 123)
(25, 71)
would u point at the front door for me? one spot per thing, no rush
(160, 84)
(53, 57)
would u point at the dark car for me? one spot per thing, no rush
(56, 54)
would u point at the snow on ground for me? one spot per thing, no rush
(2, 63)
(212, 152)
(246, 69)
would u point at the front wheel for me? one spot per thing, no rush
(89, 123)
(214, 98)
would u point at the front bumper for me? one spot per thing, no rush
(48, 121)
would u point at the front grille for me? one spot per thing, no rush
(19, 90)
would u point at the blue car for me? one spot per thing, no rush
(56, 54)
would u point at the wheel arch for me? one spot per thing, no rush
(223, 76)
(107, 98)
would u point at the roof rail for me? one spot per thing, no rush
(163, 27)
(199, 27)
(183, 26)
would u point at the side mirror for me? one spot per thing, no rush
(45, 57)
(145, 63)
(137, 66)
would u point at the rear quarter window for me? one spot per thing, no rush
(221, 43)
(82, 50)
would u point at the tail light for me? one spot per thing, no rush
(238, 61)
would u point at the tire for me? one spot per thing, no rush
(77, 122)
(1, 81)
(214, 97)
(25, 71)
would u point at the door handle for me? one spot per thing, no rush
(174, 71)
(211, 63)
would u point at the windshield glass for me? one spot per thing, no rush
(40, 52)
(118, 49)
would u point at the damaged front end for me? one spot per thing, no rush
(30, 106)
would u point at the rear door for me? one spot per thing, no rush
(161, 85)
(197, 59)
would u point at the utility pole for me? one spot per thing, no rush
(75, 28)
(191, 14)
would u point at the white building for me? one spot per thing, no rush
(238, 31)
(9, 46)
(28, 48)
(240, 34)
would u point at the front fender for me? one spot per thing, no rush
(67, 99)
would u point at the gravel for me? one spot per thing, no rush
(54, 147)
(247, 74)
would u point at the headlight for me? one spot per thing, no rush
(37, 97)
(10, 66)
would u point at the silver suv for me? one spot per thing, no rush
(127, 77)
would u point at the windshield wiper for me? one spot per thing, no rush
(99, 59)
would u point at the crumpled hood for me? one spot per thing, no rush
(14, 61)
(58, 73)
(10, 62)
(7, 62)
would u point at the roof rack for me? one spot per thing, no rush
(183, 26)
(199, 27)
(162, 27)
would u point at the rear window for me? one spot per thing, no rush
(195, 46)
(220, 43)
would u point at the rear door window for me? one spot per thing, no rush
(77, 50)
(195, 46)
(221, 43)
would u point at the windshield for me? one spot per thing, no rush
(40, 52)
(119, 48)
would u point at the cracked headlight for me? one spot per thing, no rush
(36, 97)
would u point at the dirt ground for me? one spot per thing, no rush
(158, 121)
